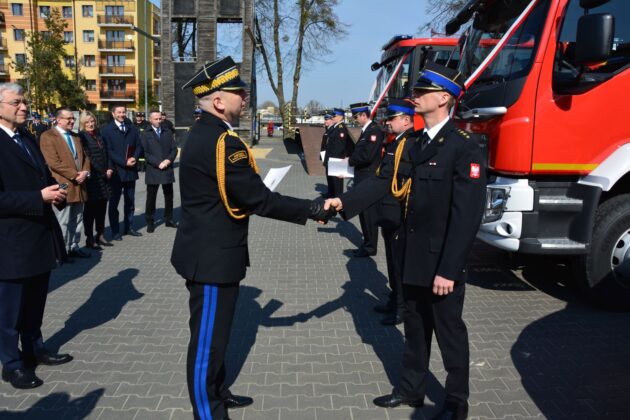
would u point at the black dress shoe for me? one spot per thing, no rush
(133, 233)
(453, 412)
(21, 378)
(237, 401)
(394, 400)
(362, 253)
(118, 237)
(103, 242)
(384, 309)
(51, 359)
(78, 253)
(393, 319)
(150, 228)
(170, 224)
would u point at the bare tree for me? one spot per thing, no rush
(441, 11)
(291, 33)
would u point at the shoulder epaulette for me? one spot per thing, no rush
(232, 133)
(340, 125)
(463, 133)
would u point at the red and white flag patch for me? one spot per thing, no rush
(342, 135)
(475, 170)
(373, 138)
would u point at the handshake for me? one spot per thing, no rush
(322, 211)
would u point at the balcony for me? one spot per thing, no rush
(115, 20)
(3, 44)
(3, 22)
(127, 95)
(105, 70)
(115, 46)
(3, 70)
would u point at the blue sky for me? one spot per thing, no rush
(347, 77)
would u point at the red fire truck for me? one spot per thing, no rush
(545, 86)
(402, 59)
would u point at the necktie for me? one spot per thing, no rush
(122, 127)
(158, 131)
(71, 144)
(18, 140)
(425, 139)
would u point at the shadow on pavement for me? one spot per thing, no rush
(72, 271)
(58, 405)
(105, 304)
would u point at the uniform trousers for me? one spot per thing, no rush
(394, 256)
(70, 219)
(211, 313)
(152, 191)
(22, 303)
(335, 186)
(127, 188)
(425, 314)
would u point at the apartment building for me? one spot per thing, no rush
(114, 42)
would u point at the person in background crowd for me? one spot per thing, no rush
(69, 164)
(52, 121)
(160, 152)
(98, 189)
(30, 245)
(270, 129)
(167, 124)
(365, 159)
(37, 127)
(328, 122)
(141, 123)
(123, 146)
(197, 114)
(339, 145)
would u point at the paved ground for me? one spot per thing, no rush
(307, 344)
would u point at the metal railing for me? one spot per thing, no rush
(118, 94)
(114, 19)
(3, 68)
(107, 69)
(3, 43)
(115, 45)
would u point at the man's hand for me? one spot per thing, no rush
(319, 213)
(81, 177)
(334, 203)
(53, 194)
(109, 173)
(164, 164)
(131, 161)
(442, 286)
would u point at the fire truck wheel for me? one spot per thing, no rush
(604, 273)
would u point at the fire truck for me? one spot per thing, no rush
(545, 81)
(402, 58)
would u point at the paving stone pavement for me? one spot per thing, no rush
(306, 343)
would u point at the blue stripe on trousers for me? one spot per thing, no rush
(199, 380)
(210, 326)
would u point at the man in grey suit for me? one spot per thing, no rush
(159, 153)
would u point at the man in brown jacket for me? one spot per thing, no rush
(70, 166)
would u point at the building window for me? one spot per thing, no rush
(16, 9)
(114, 10)
(20, 59)
(88, 36)
(44, 11)
(69, 61)
(68, 37)
(89, 60)
(90, 84)
(115, 60)
(18, 34)
(66, 11)
(88, 11)
(184, 45)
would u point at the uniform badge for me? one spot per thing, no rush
(432, 163)
(236, 156)
(373, 138)
(475, 170)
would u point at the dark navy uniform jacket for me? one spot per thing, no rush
(445, 206)
(211, 246)
(121, 146)
(339, 144)
(367, 152)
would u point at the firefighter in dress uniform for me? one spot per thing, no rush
(220, 188)
(339, 145)
(36, 126)
(365, 159)
(327, 124)
(443, 195)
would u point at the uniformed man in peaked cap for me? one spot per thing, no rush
(339, 145)
(365, 159)
(328, 122)
(220, 190)
(443, 196)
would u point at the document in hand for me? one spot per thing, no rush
(323, 155)
(274, 176)
(337, 167)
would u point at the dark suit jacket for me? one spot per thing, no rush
(30, 235)
(367, 152)
(119, 145)
(211, 246)
(339, 143)
(156, 149)
(445, 208)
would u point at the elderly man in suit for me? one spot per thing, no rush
(65, 157)
(123, 145)
(159, 152)
(30, 247)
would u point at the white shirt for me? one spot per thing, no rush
(9, 132)
(120, 125)
(229, 125)
(432, 132)
(366, 125)
(61, 131)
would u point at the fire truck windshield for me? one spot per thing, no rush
(398, 81)
(517, 51)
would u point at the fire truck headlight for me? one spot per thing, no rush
(496, 200)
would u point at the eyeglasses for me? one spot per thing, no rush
(16, 102)
(66, 118)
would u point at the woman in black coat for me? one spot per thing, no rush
(98, 190)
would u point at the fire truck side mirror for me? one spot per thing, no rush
(594, 38)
